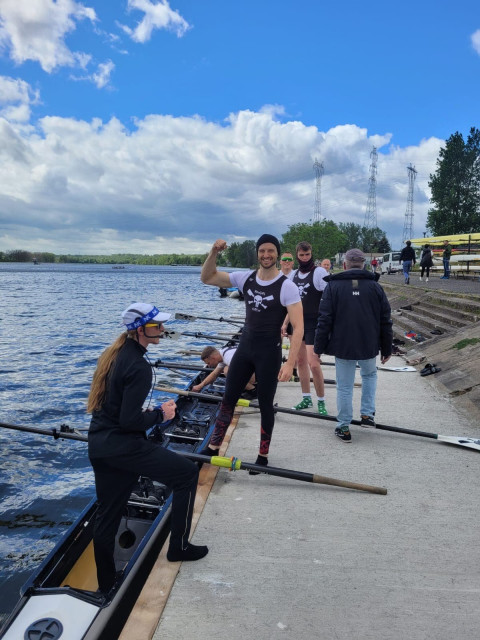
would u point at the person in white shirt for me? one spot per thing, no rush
(219, 360)
(310, 282)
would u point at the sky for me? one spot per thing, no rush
(148, 126)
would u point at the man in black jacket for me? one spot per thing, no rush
(407, 256)
(354, 324)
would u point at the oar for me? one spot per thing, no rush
(65, 432)
(185, 316)
(471, 443)
(233, 463)
(175, 335)
(160, 364)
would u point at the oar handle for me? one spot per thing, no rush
(348, 485)
(234, 464)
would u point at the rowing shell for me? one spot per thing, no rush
(60, 600)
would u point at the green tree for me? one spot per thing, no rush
(353, 235)
(18, 255)
(325, 237)
(242, 254)
(455, 187)
(373, 240)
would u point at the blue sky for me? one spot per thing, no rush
(144, 126)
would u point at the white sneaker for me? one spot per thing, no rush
(420, 278)
(426, 279)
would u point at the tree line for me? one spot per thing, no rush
(326, 237)
(20, 255)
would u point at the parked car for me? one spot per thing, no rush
(391, 262)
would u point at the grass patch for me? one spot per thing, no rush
(465, 343)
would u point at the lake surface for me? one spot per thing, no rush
(55, 320)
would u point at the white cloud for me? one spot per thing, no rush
(102, 77)
(16, 96)
(475, 38)
(158, 15)
(36, 30)
(82, 187)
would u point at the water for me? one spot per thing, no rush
(55, 320)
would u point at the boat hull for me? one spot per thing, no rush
(61, 597)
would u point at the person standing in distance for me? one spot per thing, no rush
(407, 256)
(286, 264)
(310, 282)
(354, 324)
(269, 295)
(447, 254)
(118, 449)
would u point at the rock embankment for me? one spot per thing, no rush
(446, 325)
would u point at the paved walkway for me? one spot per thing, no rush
(452, 285)
(302, 561)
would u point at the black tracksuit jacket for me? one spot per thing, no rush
(354, 321)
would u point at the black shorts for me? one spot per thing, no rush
(309, 327)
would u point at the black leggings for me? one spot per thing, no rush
(116, 476)
(257, 354)
(423, 271)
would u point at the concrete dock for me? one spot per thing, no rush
(295, 560)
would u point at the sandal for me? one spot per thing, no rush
(427, 367)
(433, 369)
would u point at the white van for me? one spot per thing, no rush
(391, 262)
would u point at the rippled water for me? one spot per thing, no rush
(55, 320)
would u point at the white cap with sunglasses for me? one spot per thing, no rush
(141, 313)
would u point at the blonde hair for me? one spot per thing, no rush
(104, 365)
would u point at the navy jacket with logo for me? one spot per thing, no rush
(354, 321)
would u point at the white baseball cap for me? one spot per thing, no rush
(139, 313)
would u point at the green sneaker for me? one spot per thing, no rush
(322, 409)
(306, 403)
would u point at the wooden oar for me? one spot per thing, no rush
(233, 463)
(185, 316)
(471, 443)
(160, 364)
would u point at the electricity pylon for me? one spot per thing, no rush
(408, 224)
(318, 168)
(371, 210)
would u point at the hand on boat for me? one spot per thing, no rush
(286, 372)
(197, 388)
(169, 409)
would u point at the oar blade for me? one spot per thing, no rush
(471, 443)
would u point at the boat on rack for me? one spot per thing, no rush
(61, 601)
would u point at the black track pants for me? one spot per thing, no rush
(115, 477)
(255, 354)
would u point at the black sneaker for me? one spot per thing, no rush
(367, 421)
(343, 434)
